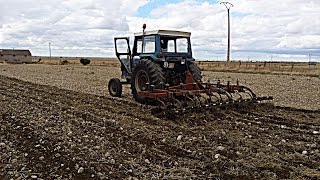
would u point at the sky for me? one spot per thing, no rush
(278, 30)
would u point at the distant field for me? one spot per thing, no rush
(112, 62)
(288, 68)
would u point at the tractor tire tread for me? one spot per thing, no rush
(195, 71)
(118, 87)
(155, 73)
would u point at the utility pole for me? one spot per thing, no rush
(228, 6)
(50, 49)
(309, 57)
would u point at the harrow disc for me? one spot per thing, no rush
(197, 96)
(200, 104)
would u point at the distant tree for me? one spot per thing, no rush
(84, 61)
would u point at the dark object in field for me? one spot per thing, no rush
(64, 62)
(84, 61)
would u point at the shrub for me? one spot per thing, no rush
(64, 62)
(84, 61)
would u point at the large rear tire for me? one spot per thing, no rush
(195, 71)
(145, 72)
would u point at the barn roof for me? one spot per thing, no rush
(15, 52)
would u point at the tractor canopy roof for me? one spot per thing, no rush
(165, 33)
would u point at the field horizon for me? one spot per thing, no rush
(262, 67)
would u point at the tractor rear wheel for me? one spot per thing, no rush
(145, 72)
(195, 71)
(115, 87)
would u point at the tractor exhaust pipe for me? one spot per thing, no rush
(143, 29)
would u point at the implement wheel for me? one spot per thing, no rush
(115, 87)
(145, 72)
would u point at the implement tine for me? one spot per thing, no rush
(190, 97)
(161, 106)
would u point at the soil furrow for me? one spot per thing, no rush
(50, 133)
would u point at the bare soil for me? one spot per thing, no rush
(51, 132)
(301, 92)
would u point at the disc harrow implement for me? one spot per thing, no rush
(197, 96)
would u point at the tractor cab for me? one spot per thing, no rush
(162, 44)
(170, 49)
(158, 59)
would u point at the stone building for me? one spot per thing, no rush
(15, 56)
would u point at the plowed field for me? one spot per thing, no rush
(51, 133)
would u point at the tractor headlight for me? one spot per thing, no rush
(165, 64)
(183, 61)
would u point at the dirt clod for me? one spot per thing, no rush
(80, 170)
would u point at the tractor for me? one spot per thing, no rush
(160, 68)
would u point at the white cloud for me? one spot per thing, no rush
(77, 26)
(255, 25)
(66, 23)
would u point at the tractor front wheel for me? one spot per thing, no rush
(115, 87)
(146, 72)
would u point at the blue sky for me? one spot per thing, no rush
(262, 29)
(145, 10)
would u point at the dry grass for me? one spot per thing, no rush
(287, 68)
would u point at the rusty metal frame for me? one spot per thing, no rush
(191, 87)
